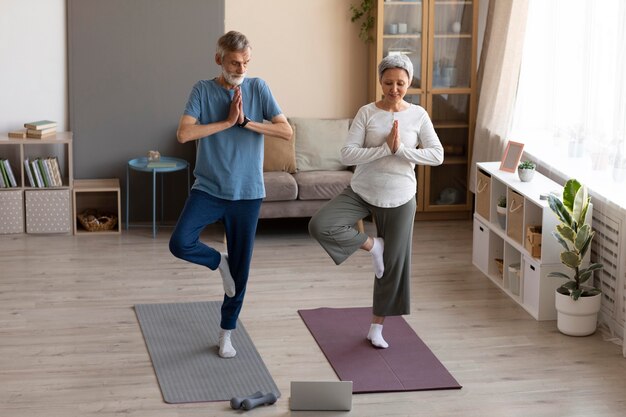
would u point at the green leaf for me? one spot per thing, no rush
(570, 285)
(571, 259)
(558, 275)
(584, 276)
(576, 294)
(569, 193)
(582, 236)
(566, 232)
(586, 245)
(560, 240)
(559, 209)
(581, 201)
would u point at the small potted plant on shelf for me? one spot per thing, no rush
(577, 305)
(501, 210)
(526, 170)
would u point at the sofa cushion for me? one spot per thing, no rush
(321, 185)
(280, 154)
(279, 186)
(319, 142)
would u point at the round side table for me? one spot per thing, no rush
(163, 166)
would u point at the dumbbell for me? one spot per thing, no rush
(236, 402)
(250, 403)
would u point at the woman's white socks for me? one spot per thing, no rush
(227, 278)
(375, 336)
(377, 257)
(226, 347)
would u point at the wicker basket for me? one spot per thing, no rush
(96, 221)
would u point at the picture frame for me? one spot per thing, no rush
(512, 155)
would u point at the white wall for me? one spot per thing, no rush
(33, 63)
(308, 51)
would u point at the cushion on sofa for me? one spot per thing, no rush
(319, 142)
(321, 185)
(280, 154)
(279, 186)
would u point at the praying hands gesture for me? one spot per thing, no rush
(393, 138)
(235, 114)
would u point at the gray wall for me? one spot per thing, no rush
(132, 64)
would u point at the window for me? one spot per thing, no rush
(570, 109)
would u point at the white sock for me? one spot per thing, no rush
(377, 256)
(227, 279)
(226, 347)
(375, 336)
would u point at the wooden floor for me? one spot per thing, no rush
(70, 344)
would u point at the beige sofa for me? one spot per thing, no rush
(303, 174)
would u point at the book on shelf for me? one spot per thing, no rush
(8, 173)
(44, 175)
(3, 183)
(160, 164)
(55, 179)
(29, 173)
(41, 132)
(18, 134)
(56, 171)
(37, 134)
(36, 174)
(40, 125)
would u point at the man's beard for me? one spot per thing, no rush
(233, 79)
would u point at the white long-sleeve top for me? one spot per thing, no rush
(382, 178)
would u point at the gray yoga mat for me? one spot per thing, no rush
(182, 340)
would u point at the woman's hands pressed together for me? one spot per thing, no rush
(393, 138)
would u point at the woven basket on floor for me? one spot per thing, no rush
(95, 221)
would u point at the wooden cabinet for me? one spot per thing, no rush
(35, 209)
(513, 253)
(439, 36)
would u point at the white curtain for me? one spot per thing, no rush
(572, 88)
(497, 79)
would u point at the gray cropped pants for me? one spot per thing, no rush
(333, 226)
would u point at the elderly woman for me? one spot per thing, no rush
(383, 145)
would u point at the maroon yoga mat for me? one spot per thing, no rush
(406, 365)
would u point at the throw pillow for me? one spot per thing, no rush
(280, 154)
(319, 143)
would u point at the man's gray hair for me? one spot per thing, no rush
(232, 41)
(396, 61)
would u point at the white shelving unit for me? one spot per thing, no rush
(533, 290)
(30, 209)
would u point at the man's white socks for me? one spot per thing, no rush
(226, 347)
(375, 336)
(227, 278)
(377, 257)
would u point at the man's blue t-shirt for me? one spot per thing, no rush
(229, 164)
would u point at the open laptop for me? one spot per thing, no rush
(321, 395)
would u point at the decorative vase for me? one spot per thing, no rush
(577, 318)
(501, 216)
(525, 175)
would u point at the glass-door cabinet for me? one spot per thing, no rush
(439, 36)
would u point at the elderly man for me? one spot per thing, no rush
(225, 116)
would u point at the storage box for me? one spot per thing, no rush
(533, 241)
(12, 209)
(483, 194)
(48, 211)
(514, 274)
(515, 216)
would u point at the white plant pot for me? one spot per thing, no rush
(525, 175)
(501, 216)
(577, 318)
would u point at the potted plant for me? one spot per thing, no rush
(501, 210)
(577, 305)
(526, 170)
